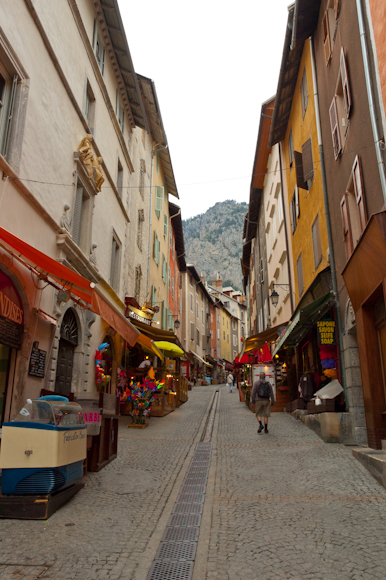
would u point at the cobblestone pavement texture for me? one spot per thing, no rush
(285, 505)
(103, 531)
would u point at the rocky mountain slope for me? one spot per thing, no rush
(213, 242)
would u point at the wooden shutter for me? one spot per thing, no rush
(77, 214)
(297, 203)
(156, 248)
(293, 215)
(359, 192)
(347, 233)
(335, 128)
(316, 242)
(308, 162)
(326, 38)
(299, 170)
(345, 83)
(8, 121)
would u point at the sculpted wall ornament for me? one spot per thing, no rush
(93, 259)
(66, 219)
(93, 165)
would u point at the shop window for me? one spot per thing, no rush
(141, 219)
(316, 242)
(299, 268)
(340, 108)
(290, 149)
(159, 200)
(89, 107)
(13, 102)
(304, 93)
(82, 218)
(120, 112)
(99, 49)
(115, 262)
(142, 172)
(353, 209)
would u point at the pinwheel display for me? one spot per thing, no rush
(101, 379)
(141, 395)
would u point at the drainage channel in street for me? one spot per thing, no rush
(176, 554)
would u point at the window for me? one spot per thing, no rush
(115, 262)
(165, 225)
(82, 215)
(156, 249)
(138, 280)
(340, 108)
(120, 178)
(294, 209)
(99, 49)
(316, 242)
(190, 280)
(89, 107)
(299, 268)
(159, 200)
(157, 162)
(234, 341)
(120, 112)
(180, 281)
(304, 93)
(308, 163)
(171, 239)
(169, 278)
(191, 302)
(197, 337)
(242, 315)
(280, 214)
(227, 324)
(191, 331)
(141, 219)
(353, 209)
(218, 334)
(228, 338)
(290, 149)
(202, 315)
(223, 334)
(335, 128)
(196, 309)
(173, 288)
(164, 269)
(326, 38)
(142, 171)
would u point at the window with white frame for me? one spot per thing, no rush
(159, 200)
(196, 309)
(99, 49)
(115, 262)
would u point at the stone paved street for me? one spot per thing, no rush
(278, 505)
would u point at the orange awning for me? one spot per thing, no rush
(43, 264)
(75, 283)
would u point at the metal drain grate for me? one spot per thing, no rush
(190, 497)
(193, 488)
(192, 479)
(180, 551)
(188, 508)
(198, 469)
(184, 520)
(181, 535)
(170, 570)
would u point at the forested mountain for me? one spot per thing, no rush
(213, 242)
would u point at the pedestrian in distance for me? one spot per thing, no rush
(262, 396)
(230, 381)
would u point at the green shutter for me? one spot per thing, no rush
(165, 225)
(77, 215)
(156, 248)
(159, 200)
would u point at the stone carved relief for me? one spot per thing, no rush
(93, 258)
(90, 319)
(66, 219)
(93, 165)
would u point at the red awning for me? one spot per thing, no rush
(43, 264)
(75, 283)
(260, 355)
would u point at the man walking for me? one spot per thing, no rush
(262, 396)
(230, 381)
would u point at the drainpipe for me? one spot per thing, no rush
(286, 231)
(377, 140)
(334, 282)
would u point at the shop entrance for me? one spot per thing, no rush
(67, 344)
(5, 359)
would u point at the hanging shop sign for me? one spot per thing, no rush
(11, 313)
(326, 331)
(140, 315)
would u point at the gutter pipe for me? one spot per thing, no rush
(377, 140)
(334, 282)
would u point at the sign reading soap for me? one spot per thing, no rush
(326, 331)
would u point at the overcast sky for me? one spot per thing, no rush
(213, 63)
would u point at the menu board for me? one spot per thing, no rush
(37, 363)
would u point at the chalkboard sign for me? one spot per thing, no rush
(37, 363)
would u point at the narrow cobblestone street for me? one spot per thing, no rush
(277, 505)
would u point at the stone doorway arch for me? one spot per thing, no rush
(69, 340)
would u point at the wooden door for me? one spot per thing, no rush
(64, 367)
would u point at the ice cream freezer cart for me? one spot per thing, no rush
(43, 448)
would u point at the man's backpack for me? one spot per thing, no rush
(264, 390)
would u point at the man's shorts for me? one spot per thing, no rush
(263, 408)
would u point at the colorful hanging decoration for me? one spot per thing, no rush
(142, 395)
(101, 379)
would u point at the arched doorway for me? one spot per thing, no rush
(67, 344)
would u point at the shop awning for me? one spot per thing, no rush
(200, 359)
(170, 349)
(303, 320)
(148, 345)
(76, 284)
(258, 340)
(156, 333)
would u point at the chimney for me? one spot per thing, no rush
(217, 283)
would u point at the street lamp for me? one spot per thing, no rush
(275, 296)
(177, 324)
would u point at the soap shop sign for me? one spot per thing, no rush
(326, 331)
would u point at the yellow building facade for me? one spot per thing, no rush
(225, 334)
(307, 226)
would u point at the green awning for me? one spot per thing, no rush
(303, 320)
